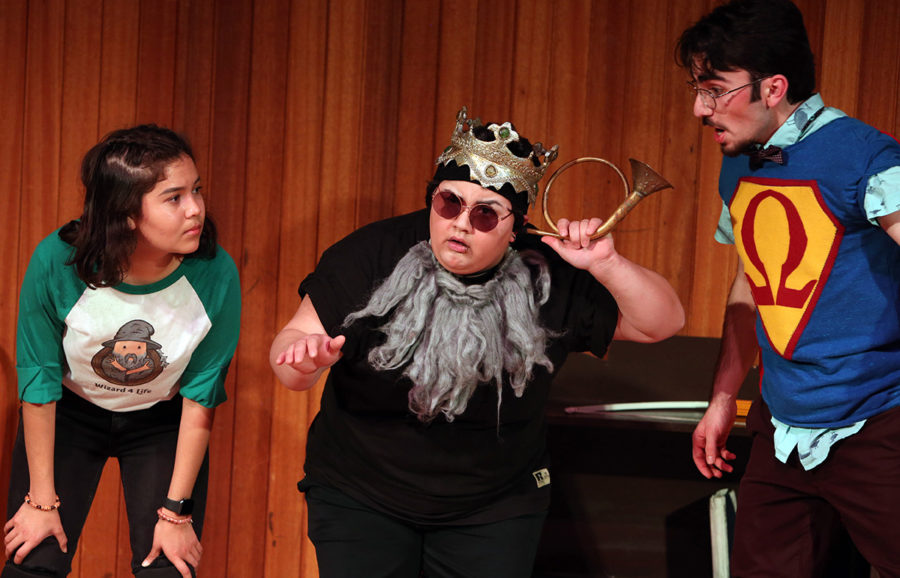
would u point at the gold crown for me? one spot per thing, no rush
(492, 163)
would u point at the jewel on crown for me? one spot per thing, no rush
(492, 163)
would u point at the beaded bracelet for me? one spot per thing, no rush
(36, 506)
(163, 516)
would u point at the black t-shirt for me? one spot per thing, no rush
(366, 442)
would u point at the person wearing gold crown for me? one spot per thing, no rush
(443, 329)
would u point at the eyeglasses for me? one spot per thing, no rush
(709, 97)
(482, 216)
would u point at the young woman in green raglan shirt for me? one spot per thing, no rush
(128, 320)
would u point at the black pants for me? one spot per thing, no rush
(86, 436)
(352, 540)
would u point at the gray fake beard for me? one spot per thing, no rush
(452, 337)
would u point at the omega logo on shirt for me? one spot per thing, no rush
(788, 240)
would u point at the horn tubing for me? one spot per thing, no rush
(623, 209)
(545, 201)
(643, 175)
(609, 224)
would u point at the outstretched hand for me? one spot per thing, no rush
(577, 248)
(311, 353)
(28, 528)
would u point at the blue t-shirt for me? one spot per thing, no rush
(825, 280)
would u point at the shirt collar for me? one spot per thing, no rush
(798, 125)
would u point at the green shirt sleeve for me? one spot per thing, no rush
(40, 359)
(218, 285)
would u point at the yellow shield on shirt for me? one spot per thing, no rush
(787, 239)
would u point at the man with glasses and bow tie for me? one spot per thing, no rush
(442, 330)
(811, 200)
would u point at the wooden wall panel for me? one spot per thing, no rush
(608, 114)
(494, 53)
(118, 64)
(416, 122)
(878, 104)
(455, 72)
(676, 221)
(568, 99)
(842, 49)
(195, 68)
(643, 107)
(41, 145)
(310, 118)
(13, 41)
(80, 100)
(234, 473)
(532, 86)
(261, 196)
(378, 127)
(288, 551)
(157, 43)
(342, 156)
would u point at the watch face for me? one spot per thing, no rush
(180, 507)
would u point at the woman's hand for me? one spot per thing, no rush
(578, 249)
(179, 543)
(303, 350)
(311, 353)
(28, 528)
(649, 309)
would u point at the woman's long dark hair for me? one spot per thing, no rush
(117, 172)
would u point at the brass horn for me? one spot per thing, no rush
(646, 182)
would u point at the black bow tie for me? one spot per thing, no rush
(770, 153)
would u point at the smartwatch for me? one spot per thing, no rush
(179, 507)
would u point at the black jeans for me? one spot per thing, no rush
(86, 436)
(352, 540)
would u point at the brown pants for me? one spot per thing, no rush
(789, 519)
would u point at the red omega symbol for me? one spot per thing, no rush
(798, 241)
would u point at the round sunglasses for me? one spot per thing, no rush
(482, 216)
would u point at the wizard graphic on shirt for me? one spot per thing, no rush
(131, 357)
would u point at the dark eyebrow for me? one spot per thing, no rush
(707, 76)
(494, 202)
(704, 74)
(177, 189)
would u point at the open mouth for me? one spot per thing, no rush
(456, 244)
(718, 131)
